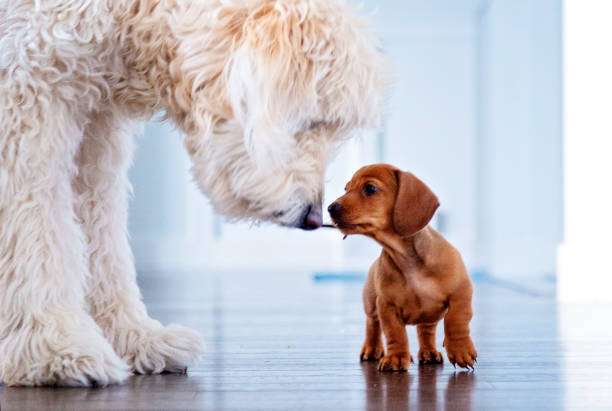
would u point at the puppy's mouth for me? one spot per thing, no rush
(343, 225)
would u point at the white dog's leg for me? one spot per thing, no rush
(46, 335)
(114, 299)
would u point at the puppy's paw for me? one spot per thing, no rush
(371, 352)
(395, 362)
(430, 356)
(156, 349)
(461, 352)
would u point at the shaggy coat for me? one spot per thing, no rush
(263, 91)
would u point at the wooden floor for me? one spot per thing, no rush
(282, 341)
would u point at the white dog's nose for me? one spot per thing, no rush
(313, 218)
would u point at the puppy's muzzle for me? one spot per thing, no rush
(334, 210)
(313, 218)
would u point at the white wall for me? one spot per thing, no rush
(585, 273)
(430, 130)
(519, 138)
(431, 126)
(157, 219)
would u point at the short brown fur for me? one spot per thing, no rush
(419, 277)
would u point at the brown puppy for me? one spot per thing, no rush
(419, 277)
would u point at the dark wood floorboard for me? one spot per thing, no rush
(281, 341)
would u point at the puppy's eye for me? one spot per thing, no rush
(370, 189)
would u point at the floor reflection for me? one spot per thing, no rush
(142, 390)
(283, 342)
(459, 389)
(417, 389)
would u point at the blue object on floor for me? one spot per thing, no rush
(339, 276)
(479, 275)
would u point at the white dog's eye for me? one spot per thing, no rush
(314, 125)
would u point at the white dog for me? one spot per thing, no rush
(263, 90)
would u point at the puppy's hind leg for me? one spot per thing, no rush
(397, 357)
(428, 354)
(113, 296)
(372, 347)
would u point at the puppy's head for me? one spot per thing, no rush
(381, 197)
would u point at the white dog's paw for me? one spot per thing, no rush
(156, 349)
(74, 359)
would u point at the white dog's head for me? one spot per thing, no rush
(269, 89)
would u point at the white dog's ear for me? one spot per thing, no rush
(268, 136)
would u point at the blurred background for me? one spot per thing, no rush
(475, 111)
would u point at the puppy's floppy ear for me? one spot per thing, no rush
(415, 204)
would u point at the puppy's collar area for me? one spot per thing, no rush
(402, 249)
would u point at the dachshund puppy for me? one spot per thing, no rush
(419, 277)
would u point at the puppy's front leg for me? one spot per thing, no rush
(398, 356)
(428, 354)
(459, 346)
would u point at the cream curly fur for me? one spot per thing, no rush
(263, 90)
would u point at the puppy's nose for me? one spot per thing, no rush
(313, 218)
(334, 209)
